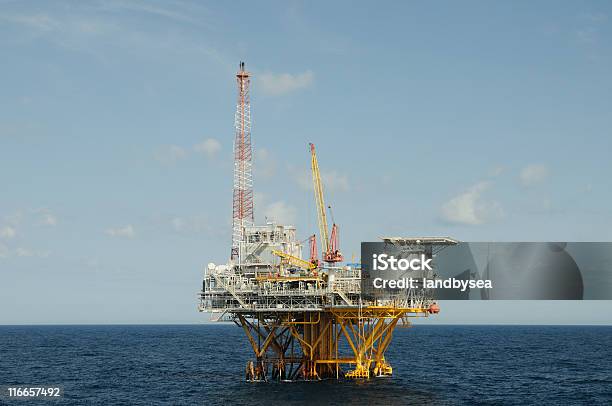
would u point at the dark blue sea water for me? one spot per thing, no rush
(433, 365)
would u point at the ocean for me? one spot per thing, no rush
(204, 364)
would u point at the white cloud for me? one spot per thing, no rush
(170, 154)
(595, 17)
(21, 252)
(46, 217)
(92, 28)
(178, 224)
(126, 231)
(177, 12)
(7, 232)
(49, 219)
(39, 21)
(470, 208)
(209, 147)
(591, 28)
(533, 174)
(586, 35)
(283, 83)
(28, 253)
(281, 213)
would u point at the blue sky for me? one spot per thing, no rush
(484, 121)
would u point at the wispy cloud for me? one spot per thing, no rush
(87, 17)
(278, 211)
(7, 232)
(281, 212)
(283, 83)
(591, 26)
(21, 252)
(16, 229)
(49, 219)
(26, 218)
(533, 174)
(89, 28)
(210, 147)
(65, 29)
(178, 11)
(122, 232)
(46, 217)
(595, 17)
(36, 21)
(28, 253)
(178, 223)
(470, 208)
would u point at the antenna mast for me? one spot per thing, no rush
(243, 163)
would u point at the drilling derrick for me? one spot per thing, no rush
(305, 319)
(243, 176)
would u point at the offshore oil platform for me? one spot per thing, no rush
(305, 318)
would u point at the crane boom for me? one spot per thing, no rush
(295, 261)
(318, 190)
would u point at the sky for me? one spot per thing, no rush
(483, 121)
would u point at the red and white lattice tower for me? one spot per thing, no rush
(243, 164)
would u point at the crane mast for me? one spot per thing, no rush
(318, 190)
(330, 245)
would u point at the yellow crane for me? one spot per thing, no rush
(295, 261)
(318, 190)
(330, 246)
